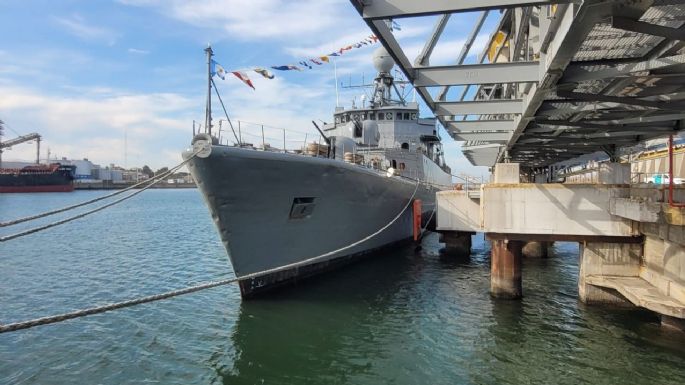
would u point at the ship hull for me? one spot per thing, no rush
(274, 209)
(52, 178)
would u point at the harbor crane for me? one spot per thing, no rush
(19, 140)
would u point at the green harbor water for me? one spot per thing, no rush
(401, 317)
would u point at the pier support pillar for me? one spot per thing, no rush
(606, 259)
(535, 249)
(505, 269)
(457, 244)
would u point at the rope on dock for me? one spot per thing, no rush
(202, 286)
(86, 213)
(154, 179)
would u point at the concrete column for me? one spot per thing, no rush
(505, 269)
(507, 173)
(535, 249)
(614, 173)
(610, 259)
(457, 244)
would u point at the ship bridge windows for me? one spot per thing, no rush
(405, 146)
(381, 116)
(399, 116)
(406, 116)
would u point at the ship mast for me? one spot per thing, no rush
(208, 110)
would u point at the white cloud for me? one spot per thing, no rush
(77, 26)
(86, 126)
(138, 51)
(91, 122)
(253, 20)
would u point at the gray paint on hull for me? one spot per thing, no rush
(250, 194)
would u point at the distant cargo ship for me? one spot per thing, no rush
(38, 178)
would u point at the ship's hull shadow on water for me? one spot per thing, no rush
(272, 209)
(316, 332)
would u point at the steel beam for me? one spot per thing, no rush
(615, 134)
(673, 106)
(578, 72)
(647, 28)
(550, 109)
(479, 125)
(517, 72)
(589, 125)
(491, 137)
(424, 57)
(442, 95)
(392, 9)
(513, 106)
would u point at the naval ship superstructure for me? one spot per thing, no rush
(277, 208)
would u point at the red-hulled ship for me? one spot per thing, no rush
(38, 178)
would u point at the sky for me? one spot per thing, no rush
(121, 82)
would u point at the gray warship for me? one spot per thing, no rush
(325, 207)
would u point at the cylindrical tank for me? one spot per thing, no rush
(343, 144)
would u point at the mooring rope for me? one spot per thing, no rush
(206, 285)
(86, 213)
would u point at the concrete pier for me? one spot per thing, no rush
(535, 249)
(611, 259)
(505, 269)
(632, 243)
(457, 244)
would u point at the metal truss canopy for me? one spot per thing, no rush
(551, 83)
(390, 9)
